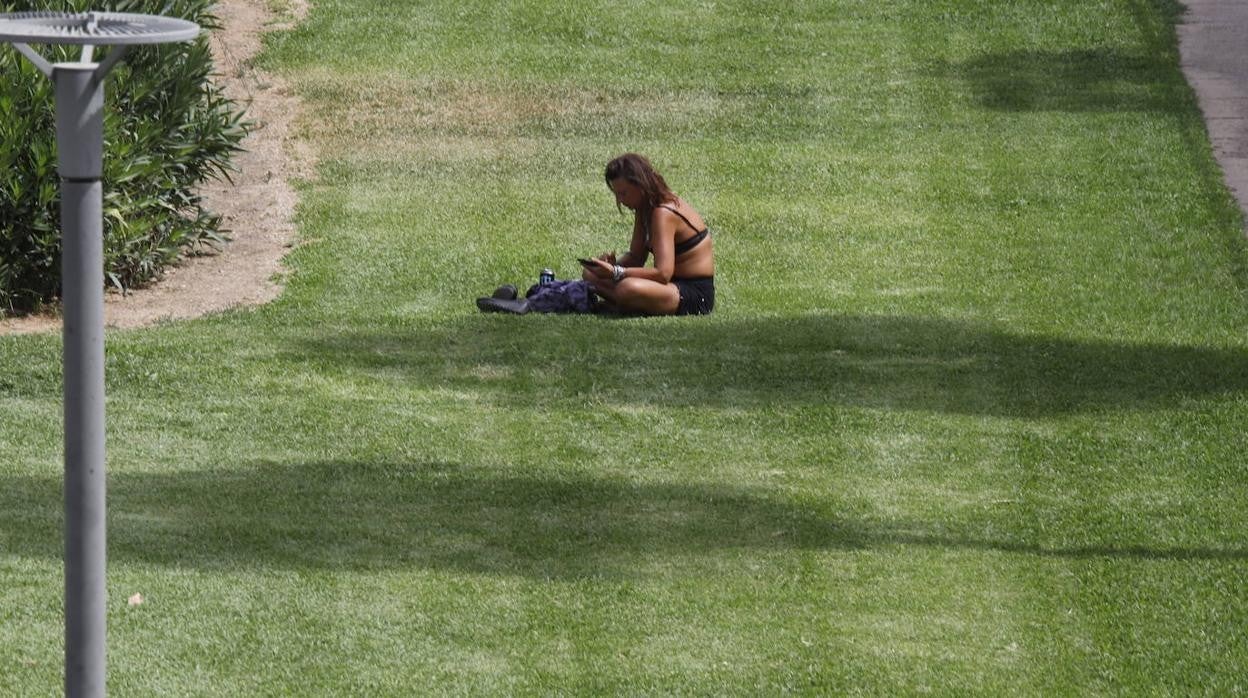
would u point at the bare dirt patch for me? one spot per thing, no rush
(257, 208)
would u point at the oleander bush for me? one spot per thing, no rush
(167, 130)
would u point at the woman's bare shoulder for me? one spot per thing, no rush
(679, 214)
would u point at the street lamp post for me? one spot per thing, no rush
(79, 89)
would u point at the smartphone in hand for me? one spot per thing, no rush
(587, 262)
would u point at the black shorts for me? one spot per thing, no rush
(697, 296)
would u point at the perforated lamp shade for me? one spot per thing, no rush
(93, 28)
(79, 89)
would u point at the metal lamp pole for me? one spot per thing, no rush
(79, 89)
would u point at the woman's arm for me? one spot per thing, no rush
(662, 245)
(637, 253)
(603, 273)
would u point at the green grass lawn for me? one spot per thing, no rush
(968, 419)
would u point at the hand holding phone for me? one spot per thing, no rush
(590, 263)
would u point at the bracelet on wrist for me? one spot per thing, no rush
(617, 273)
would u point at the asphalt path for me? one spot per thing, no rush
(1213, 48)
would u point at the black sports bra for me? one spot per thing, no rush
(684, 245)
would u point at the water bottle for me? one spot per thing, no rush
(547, 276)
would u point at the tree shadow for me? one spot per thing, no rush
(1145, 77)
(884, 362)
(367, 516)
(418, 515)
(1086, 80)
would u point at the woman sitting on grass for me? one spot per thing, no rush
(682, 280)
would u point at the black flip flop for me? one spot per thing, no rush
(503, 305)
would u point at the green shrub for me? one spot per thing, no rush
(167, 130)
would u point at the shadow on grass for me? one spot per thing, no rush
(1089, 80)
(1143, 78)
(904, 363)
(437, 516)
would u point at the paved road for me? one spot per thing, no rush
(1213, 45)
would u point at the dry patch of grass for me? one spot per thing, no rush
(394, 115)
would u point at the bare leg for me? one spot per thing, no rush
(604, 287)
(648, 297)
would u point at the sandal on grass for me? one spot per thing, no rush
(503, 305)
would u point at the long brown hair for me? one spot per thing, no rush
(635, 168)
